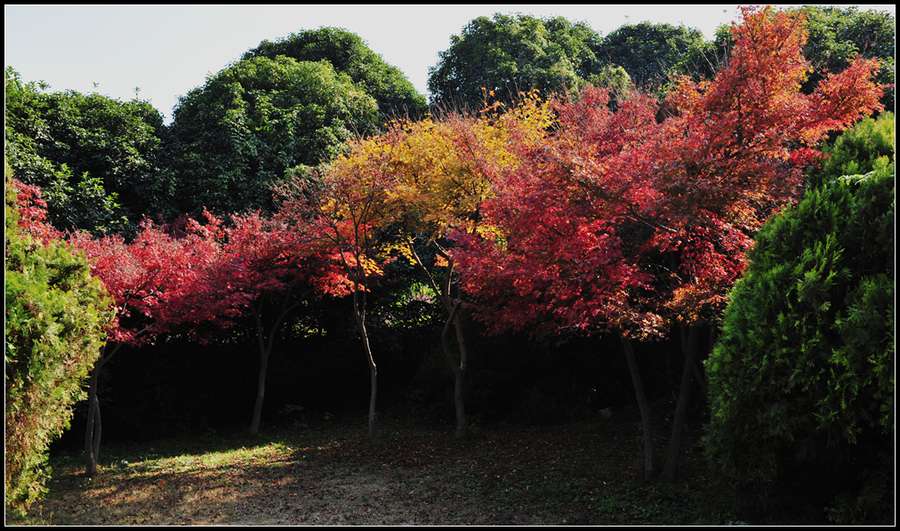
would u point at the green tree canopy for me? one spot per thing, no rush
(510, 54)
(95, 158)
(238, 134)
(650, 52)
(348, 53)
(56, 320)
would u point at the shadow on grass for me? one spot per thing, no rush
(585, 474)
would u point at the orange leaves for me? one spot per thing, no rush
(755, 103)
(440, 261)
(843, 98)
(744, 137)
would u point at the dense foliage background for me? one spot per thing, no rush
(95, 159)
(507, 55)
(347, 53)
(295, 110)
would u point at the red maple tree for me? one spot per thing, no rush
(264, 267)
(622, 222)
(147, 278)
(346, 210)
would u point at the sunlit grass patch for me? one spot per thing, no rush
(584, 474)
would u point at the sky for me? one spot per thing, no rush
(166, 50)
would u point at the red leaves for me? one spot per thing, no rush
(210, 272)
(33, 212)
(843, 98)
(615, 219)
(561, 254)
(147, 277)
(251, 258)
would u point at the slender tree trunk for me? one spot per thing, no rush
(94, 427)
(260, 392)
(359, 312)
(263, 367)
(265, 349)
(650, 471)
(373, 414)
(459, 371)
(373, 371)
(689, 346)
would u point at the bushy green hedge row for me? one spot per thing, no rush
(802, 378)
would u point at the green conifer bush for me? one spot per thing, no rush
(56, 320)
(802, 377)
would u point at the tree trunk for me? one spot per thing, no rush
(650, 471)
(373, 415)
(373, 370)
(94, 427)
(260, 392)
(94, 423)
(265, 349)
(359, 312)
(459, 371)
(689, 346)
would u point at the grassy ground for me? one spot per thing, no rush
(584, 474)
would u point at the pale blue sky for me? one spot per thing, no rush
(168, 50)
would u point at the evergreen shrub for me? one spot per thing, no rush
(56, 317)
(802, 377)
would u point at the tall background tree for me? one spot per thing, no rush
(56, 318)
(96, 159)
(650, 53)
(510, 54)
(235, 137)
(348, 53)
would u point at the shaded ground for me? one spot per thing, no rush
(574, 474)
